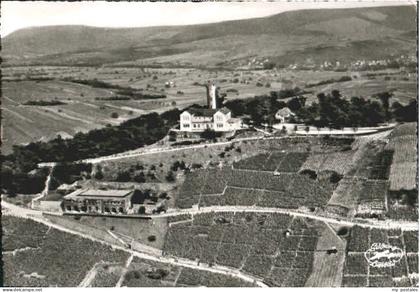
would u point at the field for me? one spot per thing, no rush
(87, 107)
(145, 273)
(358, 273)
(346, 195)
(327, 269)
(403, 141)
(274, 247)
(340, 162)
(53, 258)
(128, 229)
(245, 187)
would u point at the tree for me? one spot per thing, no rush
(170, 176)
(406, 113)
(142, 210)
(98, 174)
(208, 134)
(114, 115)
(123, 176)
(385, 97)
(139, 178)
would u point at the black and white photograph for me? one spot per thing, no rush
(209, 144)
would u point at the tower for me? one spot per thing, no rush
(211, 95)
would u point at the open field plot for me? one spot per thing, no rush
(145, 273)
(128, 229)
(373, 196)
(372, 161)
(83, 110)
(407, 129)
(340, 162)
(61, 259)
(327, 268)
(403, 90)
(347, 194)
(274, 247)
(357, 271)
(279, 161)
(245, 187)
(107, 275)
(21, 233)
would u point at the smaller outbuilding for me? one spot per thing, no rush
(284, 114)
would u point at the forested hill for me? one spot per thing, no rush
(287, 37)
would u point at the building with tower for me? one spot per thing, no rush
(212, 117)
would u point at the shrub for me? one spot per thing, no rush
(310, 173)
(142, 210)
(170, 177)
(114, 115)
(335, 177)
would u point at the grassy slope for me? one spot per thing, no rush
(334, 33)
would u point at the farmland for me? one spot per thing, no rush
(54, 258)
(145, 273)
(244, 187)
(276, 248)
(327, 268)
(340, 162)
(358, 273)
(128, 229)
(86, 107)
(403, 141)
(403, 190)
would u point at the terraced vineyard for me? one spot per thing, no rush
(145, 273)
(245, 187)
(403, 141)
(273, 247)
(49, 257)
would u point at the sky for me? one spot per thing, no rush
(16, 14)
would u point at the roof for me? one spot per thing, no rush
(203, 112)
(233, 120)
(98, 194)
(284, 112)
(207, 112)
(224, 110)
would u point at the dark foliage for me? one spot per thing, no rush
(44, 102)
(341, 79)
(131, 134)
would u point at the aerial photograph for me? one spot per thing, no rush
(209, 144)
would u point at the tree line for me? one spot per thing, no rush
(17, 168)
(330, 110)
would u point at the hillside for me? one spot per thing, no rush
(334, 34)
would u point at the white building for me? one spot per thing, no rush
(200, 119)
(284, 114)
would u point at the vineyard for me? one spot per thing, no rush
(107, 275)
(340, 162)
(403, 173)
(274, 247)
(60, 259)
(358, 273)
(146, 273)
(245, 187)
(347, 194)
(274, 161)
(372, 196)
